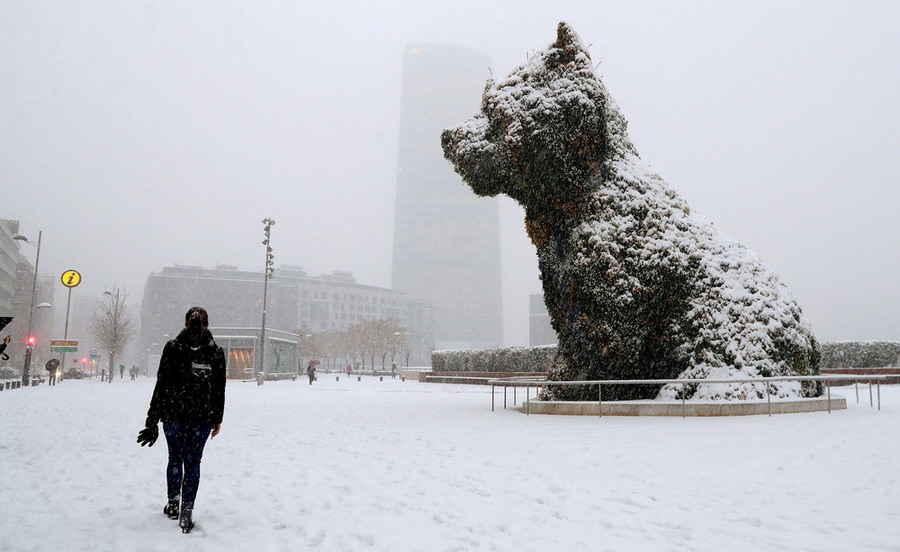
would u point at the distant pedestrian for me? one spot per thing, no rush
(189, 398)
(52, 366)
(311, 371)
(349, 369)
(3, 355)
(103, 375)
(121, 371)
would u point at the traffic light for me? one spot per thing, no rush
(30, 341)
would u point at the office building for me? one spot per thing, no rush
(9, 259)
(296, 301)
(446, 239)
(18, 286)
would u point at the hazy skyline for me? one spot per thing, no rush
(140, 135)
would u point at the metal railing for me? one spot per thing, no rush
(528, 383)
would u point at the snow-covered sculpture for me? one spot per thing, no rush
(637, 286)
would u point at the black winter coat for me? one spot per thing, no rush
(190, 384)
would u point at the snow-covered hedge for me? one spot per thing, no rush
(843, 354)
(506, 359)
(855, 354)
(637, 286)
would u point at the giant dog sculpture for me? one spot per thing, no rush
(637, 286)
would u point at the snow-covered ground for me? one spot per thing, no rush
(403, 466)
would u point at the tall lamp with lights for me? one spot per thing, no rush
(263, 372)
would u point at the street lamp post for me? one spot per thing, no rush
(26, 371)
(262, 372)
(406, 347)
(110, 371)
(395, 346)
(69, 282)
(402, 340)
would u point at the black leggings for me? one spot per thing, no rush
(186, 441)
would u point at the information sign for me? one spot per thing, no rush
(70, 278)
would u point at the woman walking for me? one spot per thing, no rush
(189, 399)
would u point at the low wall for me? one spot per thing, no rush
(670, 408)
(413, 375)
(475, 378)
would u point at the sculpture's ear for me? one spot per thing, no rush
(565, 35)
(567, 46)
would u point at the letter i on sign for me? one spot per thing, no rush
(71, 278)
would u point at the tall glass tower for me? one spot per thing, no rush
(446, 239)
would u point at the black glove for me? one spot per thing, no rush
(148, 436)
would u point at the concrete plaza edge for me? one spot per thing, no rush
(676, 408)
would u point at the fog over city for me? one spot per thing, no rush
(137, 135)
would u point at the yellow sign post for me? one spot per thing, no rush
(70, 279)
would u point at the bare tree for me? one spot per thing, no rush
(374, 338)
(113, 326)
(406, 347)
(386, 332)
(355, 344)
(369, 341)
(364, 340)
(329, 347)
(349, 345)
(401, 345)
(310, 347)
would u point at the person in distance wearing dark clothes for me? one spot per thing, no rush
(3, 355)
(311, 372)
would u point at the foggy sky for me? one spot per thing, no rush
(138, 135)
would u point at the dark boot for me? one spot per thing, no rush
(171, 508)
(185, 522)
